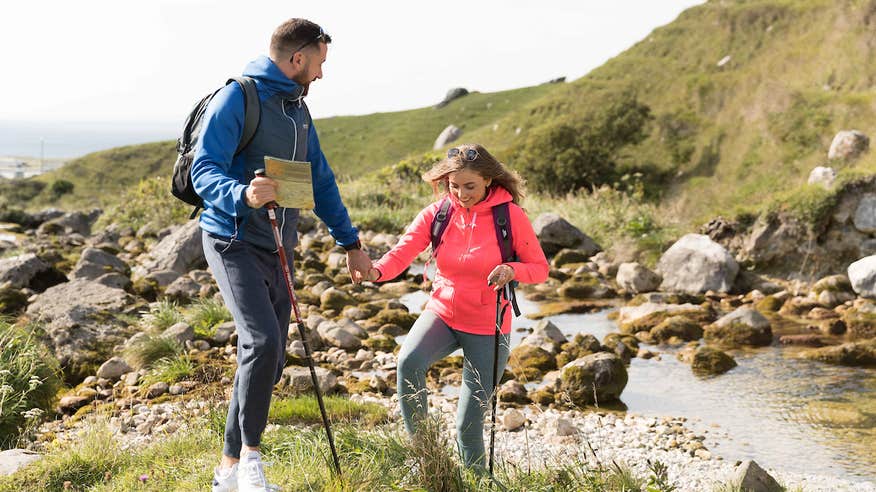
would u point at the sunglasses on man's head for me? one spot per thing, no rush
(319, 37)
(468, 154)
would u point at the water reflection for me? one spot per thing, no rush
(792, 414)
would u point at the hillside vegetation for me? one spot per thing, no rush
(724, 111)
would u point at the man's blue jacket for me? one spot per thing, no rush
(286, 131)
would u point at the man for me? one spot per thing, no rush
(238, 241)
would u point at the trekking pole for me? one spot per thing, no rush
(494, 398)
(287, 275)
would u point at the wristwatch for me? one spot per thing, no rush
(352, 246)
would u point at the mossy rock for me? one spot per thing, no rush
(710, 361)
(624, 346)
(580, 288)
(390, 329)
(570, 307)
(358, 386)
(736, 334)
(699, 314)
(305, 296)
(568, 256)
(335, 299)
(677, 326)
(848, 354)
(398, 317)
(531, 362)
(769, 304)
(380, 342)
(12, 301)
(860, 324)
(542, 396)
(146, 288)
(599, 377)
(578, 347)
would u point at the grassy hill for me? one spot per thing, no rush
(744, 99)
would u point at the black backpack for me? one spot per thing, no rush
(502, 223)
(181, 184)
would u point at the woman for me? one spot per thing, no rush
(461, 309)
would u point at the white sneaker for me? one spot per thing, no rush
(251, 474)
(225, 479)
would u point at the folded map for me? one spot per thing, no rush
(295, 188)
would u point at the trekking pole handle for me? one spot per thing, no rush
(260, 172)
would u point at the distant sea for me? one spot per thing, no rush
(65, 140)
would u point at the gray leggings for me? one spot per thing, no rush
(430, 340)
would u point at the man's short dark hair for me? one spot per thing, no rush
(295, 35)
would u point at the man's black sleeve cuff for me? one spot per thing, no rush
(351, 247)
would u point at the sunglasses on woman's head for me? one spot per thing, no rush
(469, 154)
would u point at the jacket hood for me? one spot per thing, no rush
(495, 196)
(268, 73)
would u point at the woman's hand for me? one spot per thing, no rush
(500, 276)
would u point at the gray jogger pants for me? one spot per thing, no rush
(252, 286)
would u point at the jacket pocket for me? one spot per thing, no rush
(442, 299)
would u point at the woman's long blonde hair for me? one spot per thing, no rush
(485, 165)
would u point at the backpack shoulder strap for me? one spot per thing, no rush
(439, 223)
(252, 110)
(502, 222)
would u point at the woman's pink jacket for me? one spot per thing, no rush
(467, 254)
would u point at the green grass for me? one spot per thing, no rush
(151, 349)
(163, 315)
(205, 314)
(304, 409)
(170, 370)
(29, 381)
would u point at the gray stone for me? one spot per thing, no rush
(334, 335)
(601, 376)
(113, 369)
(448, 135)
(744, 326)
(298, 380)
(635, 278)
(182, 290)
(452, 94)
(223, 333)
(335, 299)
(848, 144)
(565, 427)
(822, 176)
(513, 419)
(11, 460)
(180, 332)
(555, 233)
(94, 263)
(25, 271)
(752, 478)
(114, 280)
(162, 278)
(696, 264)
(69, 223)
(862, 275)
(546, 336)
(179, 251)
(865, 214)
(157, 389)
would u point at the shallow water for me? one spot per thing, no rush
(785, 413)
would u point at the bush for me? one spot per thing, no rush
(582, 154)
(170, 370)
(151, 349)
(29, 379)
(205, 314)
(149, 201)
(18, 192)
(60, 188)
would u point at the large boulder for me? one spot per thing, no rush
(635, 278)
(865, 214)
(529, 362)
(70, 223)
(11, 460)
(298, 380)
(862, 275)
(595, 378)
(546, 336)
(94, 263)
(696, 264)
(29, 271)
(81, 323)
(677, 327)
(180, 251)
(644, 317)
(744, 326)
(448, 135)
(452, 95)
(555, 233)
(848, 144)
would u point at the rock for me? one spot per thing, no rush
(624, 346)
(680, 327)
(513, 419)
(334, 335)
(804, 339)
(822, 176)
(862, 275)
(513, 392)
(94, 263)
(400, 317)
(452, 94)
(582, 287)
(860, 319)
(179, 251)
(11, 460)
(297, 379)
(579, 346)
(709, 361)
(696, 264)
(836, 283)
(448, 135)
(114, 280)
(182, 290)
(644, 317)
(223, 333)
(546, 336)
(113, 369)
(752, 478)
(565, 427)
(744, 326)
(71, 403)
(601, 376)
(848, 145)
(555, 233)
(865, 214)
(12, 300)
(69, 223)
(567, 255)
(529, 363)
(861, 353)
(157, 389)
(635, 278)
(181, 333)
(335, 299)
(29, 271)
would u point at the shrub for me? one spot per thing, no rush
(29, 379)
(151, 349)
(60, 188)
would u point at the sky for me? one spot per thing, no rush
(151, 60)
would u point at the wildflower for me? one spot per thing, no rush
(143, 478)
(33, 413)
(6, 389)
